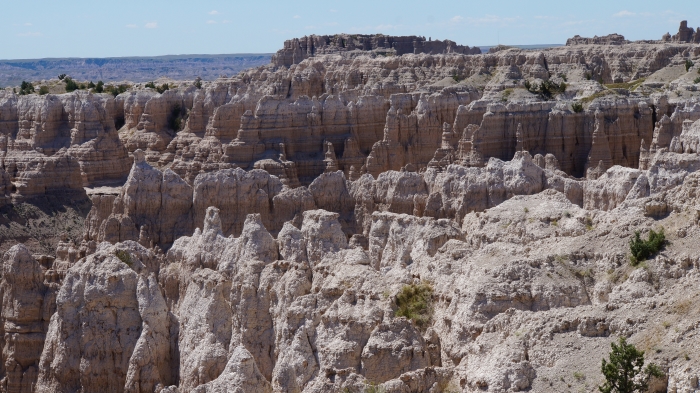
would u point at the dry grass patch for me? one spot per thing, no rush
(415, 303)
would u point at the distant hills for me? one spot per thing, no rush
(143, 69)
(135, 69)
(485, 49)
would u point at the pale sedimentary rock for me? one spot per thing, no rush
(81, 123)
(110, 328)
(24, 316)
(298, 49)
(37, 175)
(241, 375)
(301, 203)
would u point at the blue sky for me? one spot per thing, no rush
(99, 28)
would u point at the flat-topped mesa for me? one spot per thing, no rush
(685, 34)
(298, 49)
(610, 39)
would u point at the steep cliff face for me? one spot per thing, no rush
(119, 339)
(310, 311)
(382, 113)
(378, 113)
(341, 222)
(79, 125)
(611, 131)
(298, 49)
(28, 301)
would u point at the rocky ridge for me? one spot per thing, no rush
(299, 49)
(253, 234)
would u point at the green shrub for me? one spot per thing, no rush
(62, 76)
(151, 85)
(90, 85)
(688, 65)
(116, 90)
(99, 87)
(697, 80)
(577, 107)
(198, 83)
(625, 372)
(26, 88)
(163, 88)
(124, 257)
(112, 90)
(546, 90)
(643, 249)
(415, 303)
(588, 76)
(70, 84)
(43, 90)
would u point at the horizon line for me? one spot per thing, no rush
(140, 57)
(222, 54)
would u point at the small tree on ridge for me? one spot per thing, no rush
(625, 372)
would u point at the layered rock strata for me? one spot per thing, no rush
(299, 49)
(377, 113)
(371, 110)
(308, 310)
(272, 225)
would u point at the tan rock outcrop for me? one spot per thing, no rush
(604, 193)
(205, 329)
(241, 375)
(393, 349)
(36, 175)
(81, 353)
(24, 317)
(345, 98)
(254, 192)
(400, 239)
(685, 34)
(300, 203)
(610, 39)
(299, 49)
(152, 208)
(82, 123)
(155, 207)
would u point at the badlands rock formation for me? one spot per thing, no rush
(253, 234)
(299, 49)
